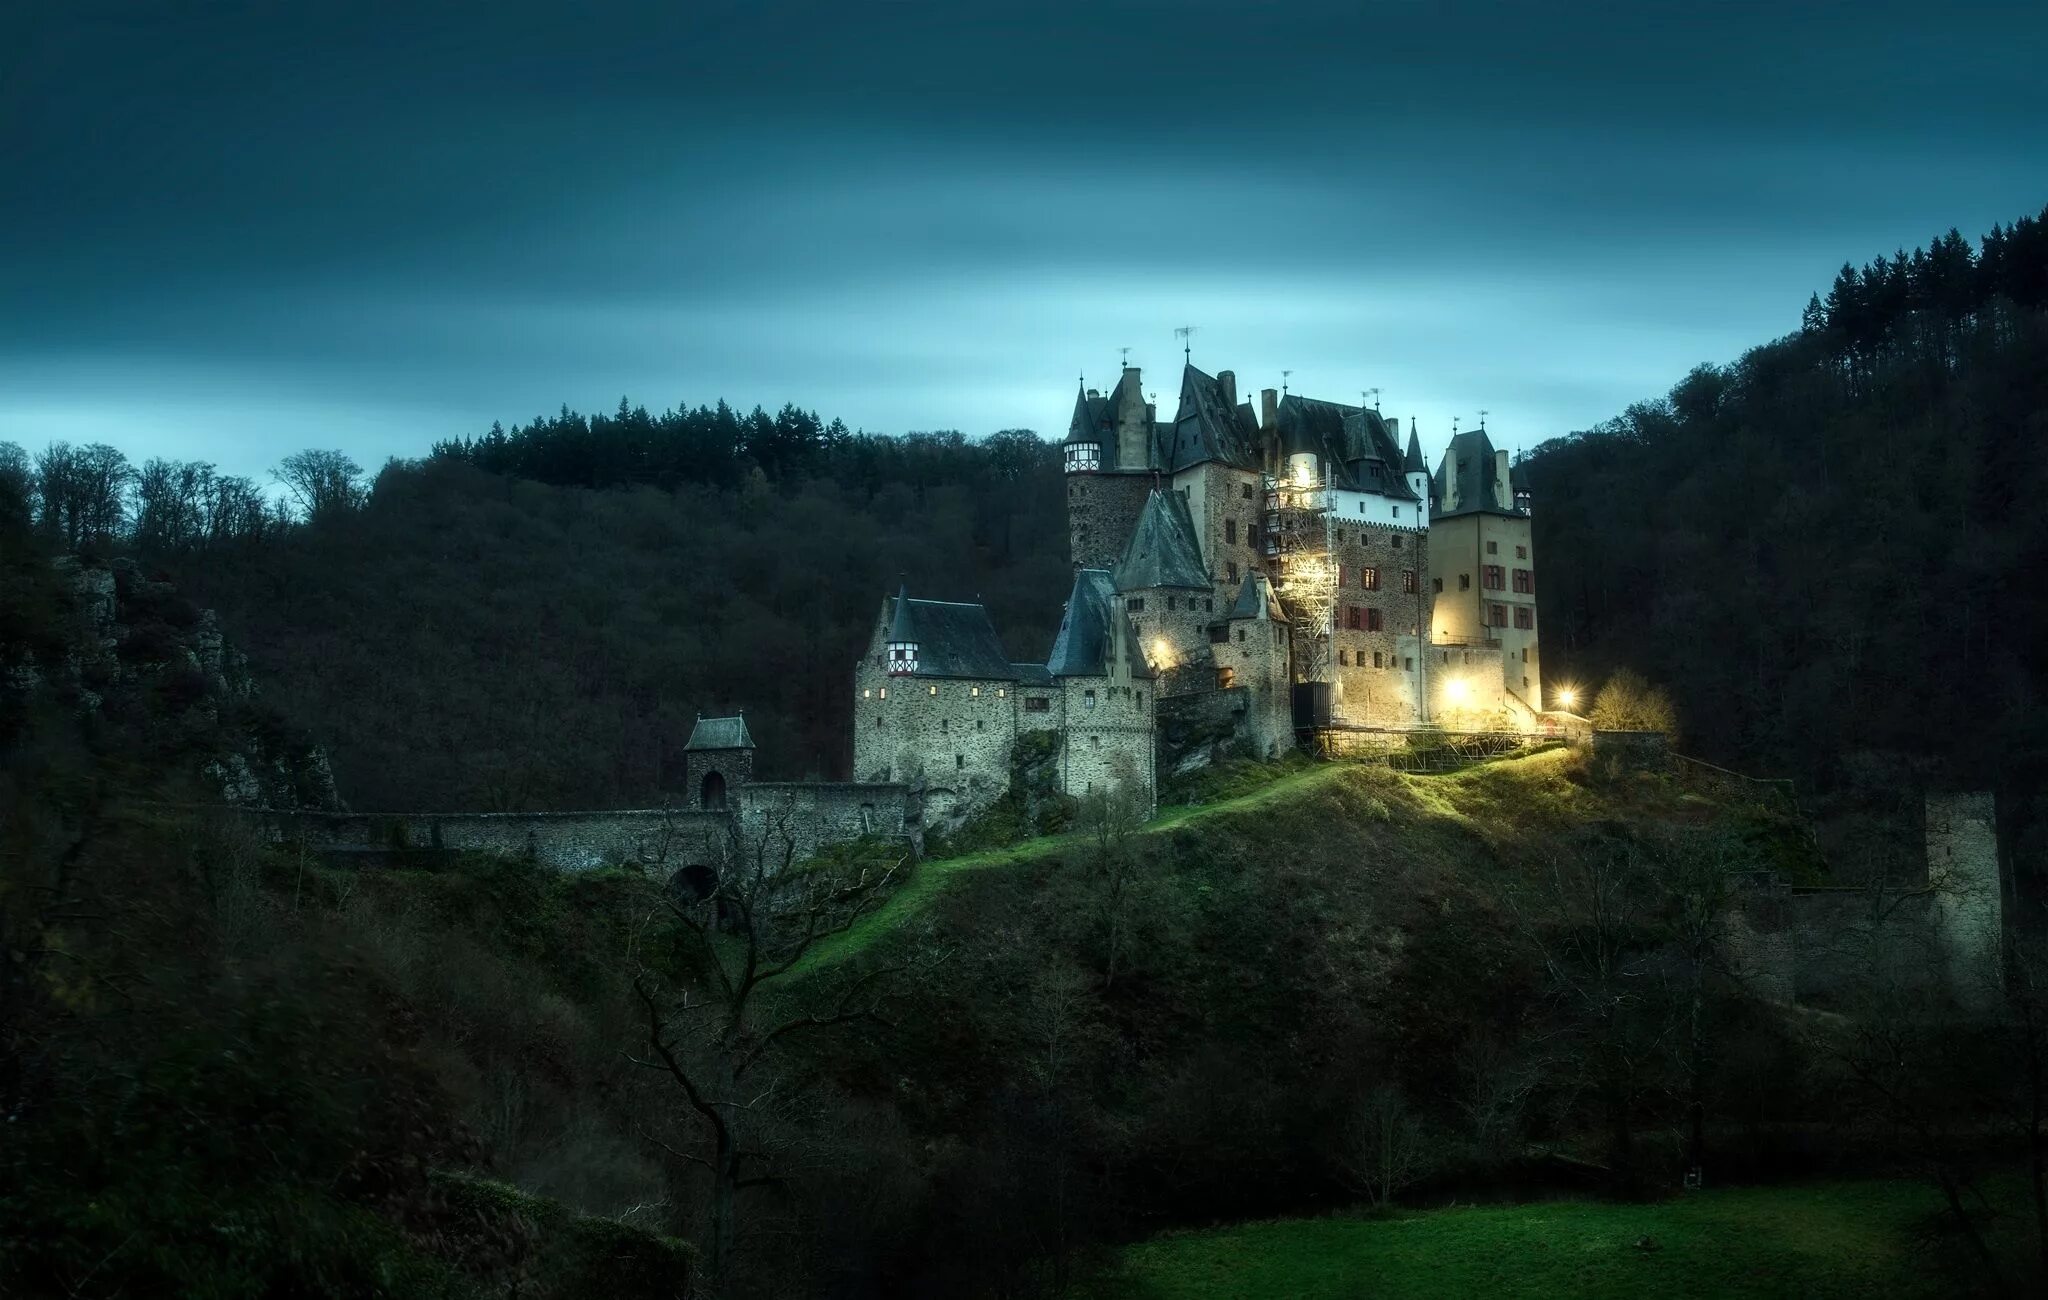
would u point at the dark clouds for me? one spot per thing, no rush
(234, 229)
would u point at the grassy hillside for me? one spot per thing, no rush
(1822, 1240)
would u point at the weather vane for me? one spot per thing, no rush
(1186, 335)
(1283, 379)
(1482, 418)
(1124, 355)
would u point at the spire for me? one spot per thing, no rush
(900, 630)
(1413, 463)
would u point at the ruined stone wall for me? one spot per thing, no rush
(1102, 510)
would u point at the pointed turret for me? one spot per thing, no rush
(1087, 431)
(901, 647)
(1416, 470)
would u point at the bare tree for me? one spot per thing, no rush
(321, 483)
(1383, 1149)
(1110, 817)
(1590, 921)
(714, 1029)
(83, 491)
(1495, 1079)
(170, 503)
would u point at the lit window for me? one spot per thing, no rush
(885, 693)
(1369, 578)
(1000, 692)
(867, 694)
(1088, 699)
(1495, 577)
(931, 690)
(974, 690)
(1408, 581)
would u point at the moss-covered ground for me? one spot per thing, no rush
(1812, 1240)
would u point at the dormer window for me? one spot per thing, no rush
(1083, 456)
(901, 657)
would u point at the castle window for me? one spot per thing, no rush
(1521, 552)
(1208, 604)
(980, 725)
(1525, 617)
(931, 690)
(1240, 634)
(1218, 633)
(1226, 678)
(1036, 704)
(1464, 582)
(1231, 569)
(1494, 576)
(1169, 603)
(883, 694)
(1245, 491)
(1230, 531)
(959, 761)
(1094, 741)
(1375, 620)
(1351, 618)
(868, 694)
(1135, 604)
(1000, 692)
(945, 724)
(1436, 584)
(1088, 699)
(1251, 535)
(1525, 654)
(878, 721)
(1497, 615)
(1408, 581)
(1340, 534)
(1396, 538)
(1525, 683)
(1375, 658)
(1493, 548)
(1525, 582)
(974, 690)
(1397, 515)
(1369, 578)
(1410, 661)
(1343, 659)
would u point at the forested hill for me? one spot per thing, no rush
(1832, 550)
(542, 637)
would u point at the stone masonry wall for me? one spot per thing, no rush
(1373, 671)
(953, 735)
(815, 815)
(1107, 720)
(1102, 510)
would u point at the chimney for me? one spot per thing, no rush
(1269, 407)
(1502, 472)
(1094, 394)
(1394, 428)
(1227, 381)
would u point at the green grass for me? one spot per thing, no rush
(1835, 1239)
(931, 876)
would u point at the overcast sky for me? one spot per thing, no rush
(230, 231)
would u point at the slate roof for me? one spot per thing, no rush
(1209, 427)
(1094, 419)
(1471, 462)
(1414, 463)
(1353, 441)
(1085, 642)
(1031, 674)
(1255, 599)
(719, 733)
(1163, 551)
(953, 639)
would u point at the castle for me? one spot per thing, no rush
(1293, 569)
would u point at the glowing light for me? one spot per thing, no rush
(1303, 474)
(1162, 653)
(1457, 690)
(1567, 697)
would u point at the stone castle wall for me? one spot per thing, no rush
(1102, 510)
(804, 817)
(1100, 743)
(953, 736)
(1833, 946)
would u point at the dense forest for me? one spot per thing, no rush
(1831, 549)
(532, 619)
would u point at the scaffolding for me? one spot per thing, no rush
(1297, 542)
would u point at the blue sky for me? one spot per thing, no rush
(235, 230)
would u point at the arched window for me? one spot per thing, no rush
(712, 793)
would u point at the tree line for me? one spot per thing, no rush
(1827, 550)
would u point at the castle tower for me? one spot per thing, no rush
(1256, 657)
(1416, 470)
(1109, 462)
(718, 760)
(1483, 565)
